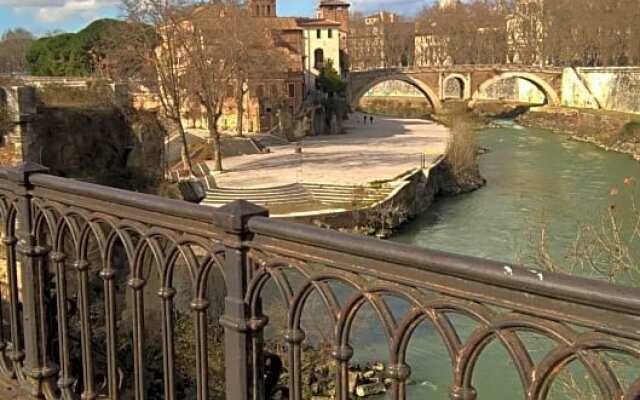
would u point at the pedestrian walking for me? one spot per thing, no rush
(365, 119)
(371, 119)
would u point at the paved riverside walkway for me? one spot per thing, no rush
(367, 153)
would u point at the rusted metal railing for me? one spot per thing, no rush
(93, 286)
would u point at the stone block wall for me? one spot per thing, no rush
(21, 104)
(607, 88)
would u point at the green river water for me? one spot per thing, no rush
(533, 175)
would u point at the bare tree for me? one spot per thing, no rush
(399, 43)
(365, 44)
(606, 248)
(151, 51)
(592, 32)
(258, 53)
(14, 45)
(473, 33)
(209, 63)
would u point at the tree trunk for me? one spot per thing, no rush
(240, 117)
(186, 157)
(214, 138)
(240, 106)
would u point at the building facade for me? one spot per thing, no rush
(321, 48)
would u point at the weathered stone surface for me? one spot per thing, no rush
(370, 389)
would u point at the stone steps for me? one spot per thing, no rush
(298, 194)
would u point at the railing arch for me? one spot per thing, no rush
(51, 226)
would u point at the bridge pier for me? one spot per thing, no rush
(20, 102)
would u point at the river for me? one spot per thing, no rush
(533, 176)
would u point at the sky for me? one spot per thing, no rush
(43, 16)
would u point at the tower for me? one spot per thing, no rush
(262, 8)
(335, 10)
(447, 3)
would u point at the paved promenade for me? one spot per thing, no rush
(365, 154)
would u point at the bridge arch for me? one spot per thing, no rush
(549, 92)
(456, 86)
(425, 89)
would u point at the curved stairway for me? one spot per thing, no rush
(298, 194)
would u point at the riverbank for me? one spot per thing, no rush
(370, 180)
(611, 131)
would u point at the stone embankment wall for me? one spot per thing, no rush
(74, 136)
(609, 88)
(404, 107)
(413, 195)
(609, 130)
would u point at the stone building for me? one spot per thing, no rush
(335, 10)
(309, 44)
(321, 47)
(263, 8)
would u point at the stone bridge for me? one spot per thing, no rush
(461, 82)
(20, 105)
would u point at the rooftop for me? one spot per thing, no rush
(334, 3)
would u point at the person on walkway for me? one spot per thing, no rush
(371, 119)
(365, 119)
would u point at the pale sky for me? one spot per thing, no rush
(42, 16)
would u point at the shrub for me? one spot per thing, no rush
(330, 81)
(69, 54)
(463, 149)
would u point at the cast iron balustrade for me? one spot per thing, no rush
(63, 236)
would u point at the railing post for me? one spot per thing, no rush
(237, 332)
(36, 366)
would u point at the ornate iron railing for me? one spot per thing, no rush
(92, 286)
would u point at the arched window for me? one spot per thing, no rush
(319, 58)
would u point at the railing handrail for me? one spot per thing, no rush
(167, 206)
(224, 219)
(591, 292)
(52, 225)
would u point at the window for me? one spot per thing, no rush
(330, 33)
(319, 58)
(268, 11)
(319, 33)
(292, 90)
